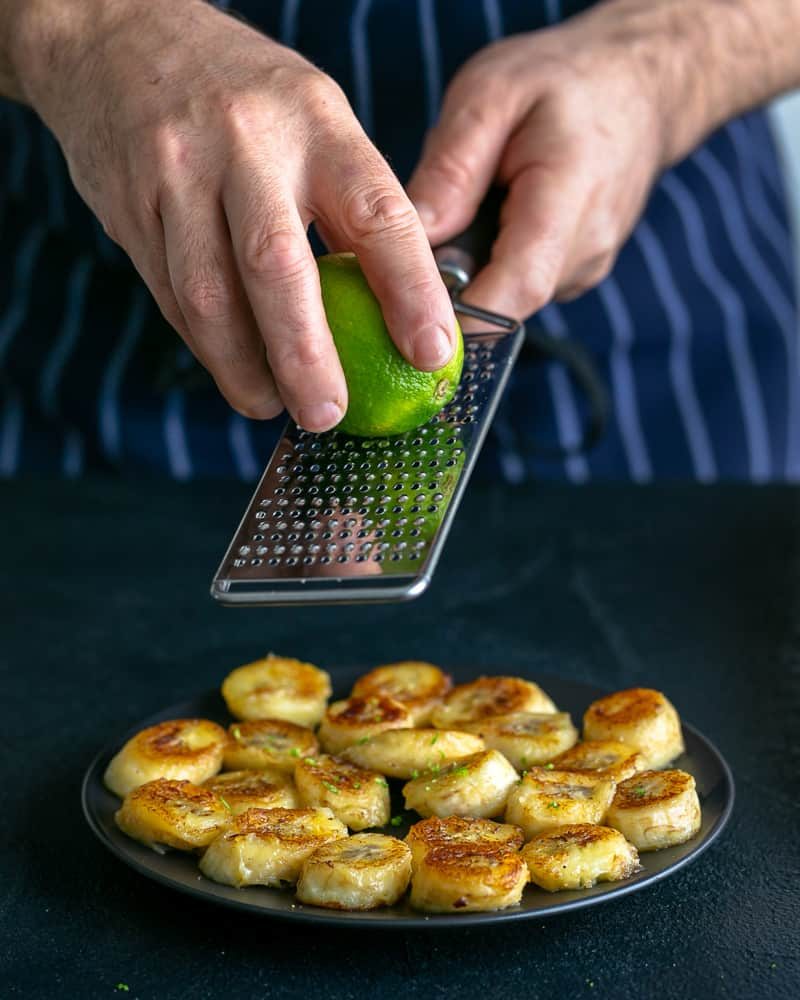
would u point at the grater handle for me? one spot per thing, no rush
(464, 255)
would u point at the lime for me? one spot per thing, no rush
(388, 395)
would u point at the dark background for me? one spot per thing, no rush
(106, 618)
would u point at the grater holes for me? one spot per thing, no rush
(259, 537)
(273, 561)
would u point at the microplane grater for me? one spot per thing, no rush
(340, 519)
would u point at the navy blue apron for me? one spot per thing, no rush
(695, 332)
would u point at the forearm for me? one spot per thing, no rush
(710, 59)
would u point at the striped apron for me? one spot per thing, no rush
(695, 331)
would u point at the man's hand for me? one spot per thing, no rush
(578, 120)
(206, 150)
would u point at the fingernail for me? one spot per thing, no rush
(426, 213)
(320, 416)
(432, 349)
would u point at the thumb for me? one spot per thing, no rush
(459, 161)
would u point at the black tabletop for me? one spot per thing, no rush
(106, 618)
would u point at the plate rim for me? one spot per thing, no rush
(355, 919)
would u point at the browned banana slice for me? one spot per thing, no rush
(277, 688)
(362, 872)
(346, 722)
(464, 878)
(264, 743)
(602, 758)
(455, 830)
(488, 696)
(526, 738)
(243, 790)
(417, 685)
(640, 717)
(181, 749)
(477, 785)
(407, 753)
(176, 814)
(578, 856)
(545, 798)
(656, 809)
(357, 797)
(269, 846)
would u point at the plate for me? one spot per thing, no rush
(179, 871)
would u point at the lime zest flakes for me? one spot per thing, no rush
(380, 780)
(461, 772)
(414, 774)
(640, 791)
(237, 733)
(553, 805)
(396, 820)
(434, 738)
(122, 988)
(225, 802)
(294, 752)
(311, 760)
(549, 767)
(356, 784)
(331, 787)
(362, 741)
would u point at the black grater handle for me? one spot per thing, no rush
(464, 255)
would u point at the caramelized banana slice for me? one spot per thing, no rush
(268, 743)
(463, 878)
(269, 846)
(488, 696)
(526, 738)
(277, 688)
(456, 830)
(602, 758)
(243, 790)
(176, 814)
(640, 717)
(578, 856)
(477, 785)
(545, 799)
(362, 872)
(656, 809)
(346, 722)
(418, 686)
(357, 797)
(182, 749)
(406, 753)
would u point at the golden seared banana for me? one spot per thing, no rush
(243, 790)
(277, 688)
(407, 753)
(357, 797)
(457, 830)
(544, 799)
(463, 878)
(264, 743)
(176, 814)
(656, 809)
(526, 738)
(182, 749)
(346, 722)
(602, 758)
(489, 696)
(418, 686)
(640, 717)
(477, 785)
(578, 856)
(269, 846)
(362, 872)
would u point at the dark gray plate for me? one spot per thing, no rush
(180, 871)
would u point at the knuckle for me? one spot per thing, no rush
(203, 299)
(299, 353)
(376, 211)
(273, 255)
(455, 172)
(170, 148)
(320, 95)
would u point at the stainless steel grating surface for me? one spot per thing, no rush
(344, 519)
